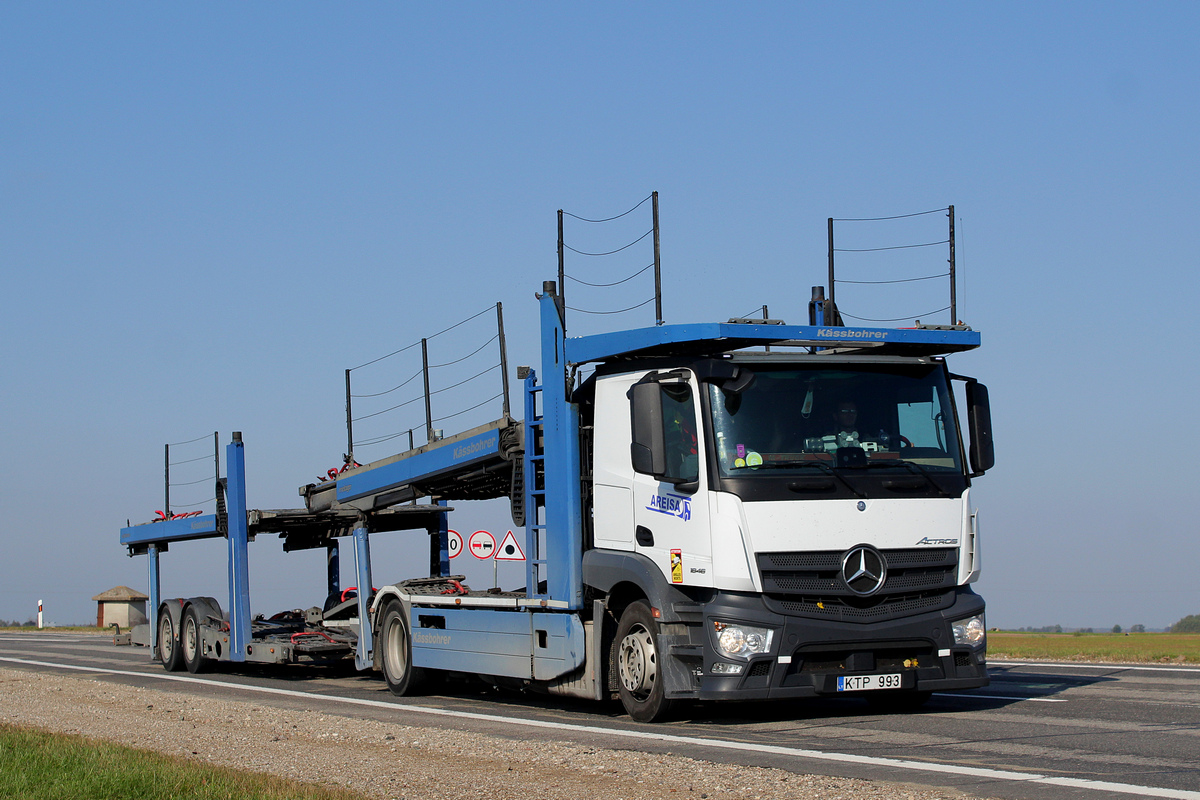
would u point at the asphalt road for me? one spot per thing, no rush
(1039, 731)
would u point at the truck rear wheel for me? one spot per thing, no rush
(395, 643)
(168, 643)
(192, 643)
(639, 665)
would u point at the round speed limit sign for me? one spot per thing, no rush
(454, 543)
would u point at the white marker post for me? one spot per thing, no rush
(39, 615)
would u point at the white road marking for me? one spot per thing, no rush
(794, 752)
(961, 695)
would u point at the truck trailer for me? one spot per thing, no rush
(736, 511)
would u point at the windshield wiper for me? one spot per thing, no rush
(915, 469)
(818, 464)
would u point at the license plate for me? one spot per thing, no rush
(860, 683)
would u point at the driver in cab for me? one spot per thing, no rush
(845, 417)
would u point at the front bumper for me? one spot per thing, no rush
(809, 655)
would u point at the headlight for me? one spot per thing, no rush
(969, 631)
(742, 641)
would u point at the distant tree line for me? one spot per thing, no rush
(1189, 624)
(29, 623)
(1139, 628)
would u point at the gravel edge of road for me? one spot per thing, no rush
(400, 761)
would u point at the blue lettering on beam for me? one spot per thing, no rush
(851, 333)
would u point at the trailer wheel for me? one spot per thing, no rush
(192, 644)
(168, 643)
(396, 645)
(639, 665)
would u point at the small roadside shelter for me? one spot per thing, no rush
(121, 605)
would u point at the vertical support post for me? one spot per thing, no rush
(439, 545)
(333, 567)
(167, 480)
(658, 315)
(560, 433)
(349, 424)
(364, 654)
(816, 306)
(216, 458)
(155, 591)
(239, 567)
(829, 305)
(766, 316)
(443, 541)
(428, 408)
(533, 519)
(503, 355)
(562, 274)
(953, 287)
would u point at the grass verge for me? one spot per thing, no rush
(35, 765)
(1148, 648)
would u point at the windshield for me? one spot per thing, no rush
(802, 420)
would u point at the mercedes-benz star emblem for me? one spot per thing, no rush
(864, 570)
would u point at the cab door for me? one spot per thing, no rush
(670, 504)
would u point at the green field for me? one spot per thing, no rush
(42, 766)
(1157, 648)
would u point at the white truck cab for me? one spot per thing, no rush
(807, 514)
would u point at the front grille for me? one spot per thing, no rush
(885, 608)
(811, 584)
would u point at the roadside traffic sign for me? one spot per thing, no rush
(454, 542)
(509, 549)
(482, 544)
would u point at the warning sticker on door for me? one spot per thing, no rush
(676, 566)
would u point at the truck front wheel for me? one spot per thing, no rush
(168, 643)
(639, 665)
(396, 644)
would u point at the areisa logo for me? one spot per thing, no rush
(672, 505)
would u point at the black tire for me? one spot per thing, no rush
(191, 643)
(897, 702)
(395, 646)
(641, 672)
(167, 649)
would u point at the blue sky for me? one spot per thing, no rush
(208, 212)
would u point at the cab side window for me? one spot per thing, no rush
(679, 423)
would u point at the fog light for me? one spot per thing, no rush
(969, 631)
(725, 668)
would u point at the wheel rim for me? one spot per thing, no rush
(395, 652)
(190, 645)
(166, 639)
(637, 662)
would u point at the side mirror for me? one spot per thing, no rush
(648, 449)
(979, 419)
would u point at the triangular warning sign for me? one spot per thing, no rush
(510, 550)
